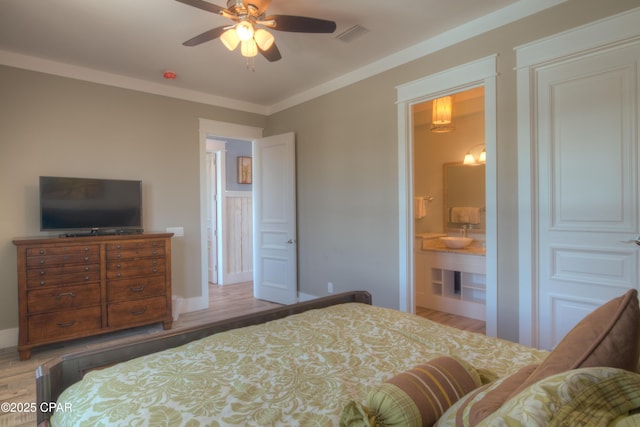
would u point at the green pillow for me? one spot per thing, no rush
(595, 396)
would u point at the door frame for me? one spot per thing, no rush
(605, 34)
(478, 73)
(213, 129)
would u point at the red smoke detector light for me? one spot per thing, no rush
(169, 75)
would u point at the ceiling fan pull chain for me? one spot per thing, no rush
(251, 64)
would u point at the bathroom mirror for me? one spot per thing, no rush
(464, 187)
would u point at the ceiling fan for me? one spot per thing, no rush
(249, 17)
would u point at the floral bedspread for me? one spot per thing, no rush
(297, 371)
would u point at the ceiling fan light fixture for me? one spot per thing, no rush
(263, 38)
(230, 39)
(249, 48)
(245, 31)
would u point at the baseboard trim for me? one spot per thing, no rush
(8, 338)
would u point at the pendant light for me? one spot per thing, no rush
(441, 120)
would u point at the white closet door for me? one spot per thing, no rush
(586, 128)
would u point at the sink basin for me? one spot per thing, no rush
(456, 242)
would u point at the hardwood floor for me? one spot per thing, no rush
(464, 323)
(17, 378)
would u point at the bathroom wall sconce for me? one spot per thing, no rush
(470, 159)
(441, 116)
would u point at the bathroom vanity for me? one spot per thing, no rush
(451, 280)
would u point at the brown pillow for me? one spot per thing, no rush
(415, 398)
(609, 337)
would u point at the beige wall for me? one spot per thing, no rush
(56, 126)
(347, 163)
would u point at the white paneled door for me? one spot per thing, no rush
(274, 216)
(586, 130)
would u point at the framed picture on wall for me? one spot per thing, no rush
(244, 170)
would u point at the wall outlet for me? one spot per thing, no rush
(177, 231)
(330, 287)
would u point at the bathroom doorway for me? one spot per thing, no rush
(449, 158)
(477, 74)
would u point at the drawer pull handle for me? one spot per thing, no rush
(118, 274)
(66, 294)
(154, 244)
(136, 289)
(41, 251)
(86, 269)
(155, 270)
(154, 262)
(118, 255)
(138, 313)
(42, 273)
(86, 277)
(154, 252)
(41, 261)
(86, 258)
(66, 325)
(118, 266)
(118, 246)
(42, 283)
(86, 249)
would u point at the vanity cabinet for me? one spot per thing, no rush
(451, 282)
(81, 286)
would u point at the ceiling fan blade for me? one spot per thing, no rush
(272, 54)
(301, 24)
(201, 4)
(205, 37)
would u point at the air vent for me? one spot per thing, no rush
(352, 33)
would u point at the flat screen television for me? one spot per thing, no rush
(94, 205)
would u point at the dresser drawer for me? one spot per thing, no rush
(64, 324)
(111, 247)
(140, 268)
(62, 297)
(136, 312)
(63, 250)
(72, 257)
(135, 253)
(142, 287)
(63, 275)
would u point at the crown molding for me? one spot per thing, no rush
(62, 69)
(471, 29)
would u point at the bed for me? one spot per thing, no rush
(341, 361)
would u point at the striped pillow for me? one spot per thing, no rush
(417, 397)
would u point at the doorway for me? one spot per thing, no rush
(480, 73)
(223, 130)
(449, 197)
(273, 184)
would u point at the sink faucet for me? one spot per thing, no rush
(464, 228)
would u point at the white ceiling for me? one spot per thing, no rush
(130, 43)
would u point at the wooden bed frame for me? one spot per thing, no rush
(54, 376)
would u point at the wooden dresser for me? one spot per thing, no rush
(72, 287)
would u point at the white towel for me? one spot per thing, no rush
(419, 207)
(465, 215)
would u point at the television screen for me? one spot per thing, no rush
(85, 203)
